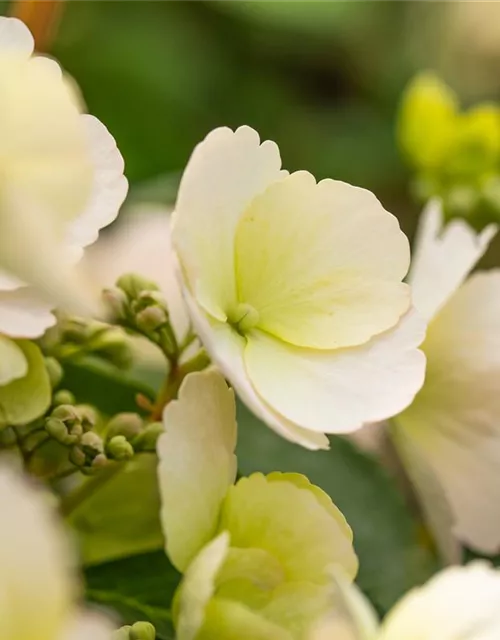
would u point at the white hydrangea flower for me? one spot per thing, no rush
(295, 289)
(62, 181)
(450, 436)
(459, 603)
(37, 581)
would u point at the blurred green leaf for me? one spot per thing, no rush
(137, 588)
(122, 518)
(103, 385)
(27, 398)
(392, 559)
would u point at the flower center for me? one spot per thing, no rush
(243, 317)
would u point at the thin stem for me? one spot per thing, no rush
(42, 18)
(88, 488)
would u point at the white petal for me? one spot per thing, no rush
(443, 258)
(225, 172)
(460, 603)
(226, 348)
(88, 626)
(140, 243)
(36, 586)
(23, 314)
(338, 391)
(109, 185)
(197, 464)
(15, 38)
(198, 586)
(307, 262)
(454, 421)
(13, 363)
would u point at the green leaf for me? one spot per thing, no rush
(103, 385)
(386, 537)
(26, 398)
(122, 517)
(138, 588)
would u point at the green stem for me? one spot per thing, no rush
(89, 487)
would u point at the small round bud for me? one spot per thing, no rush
(58, 430)
(55, 371)
(142, 631)
(133, 285)
(116, 301)
(118, 448)
(151, 318)
(124, 424)
(77, 456)
(66, 413)
(100, 461)
(63, 396)
(122, 634)
(91, 443)
(146, 441)
(87, 415)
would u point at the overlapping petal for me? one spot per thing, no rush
(197, 463)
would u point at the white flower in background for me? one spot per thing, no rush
(460, 603)
(62, 180)
(37, 581)
(295, 289)
(450, 436)
(140, 243)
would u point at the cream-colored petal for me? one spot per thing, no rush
(454, 420)
(225, 172)
(13, 363)
(15, 38)
(198, 587)
(36, 585)
(88, 626)
(226, 348)
(197, 463)
(23, 314)
(290, 523)
(339, 391)
(443, 258)
(307, 261)
(109, 185)
(460, 603)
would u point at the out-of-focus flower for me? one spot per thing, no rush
(456, 154)
(460, 603)
(450, 436)
(62, 181)
(295, 289)
(37, 581)
(256, 554)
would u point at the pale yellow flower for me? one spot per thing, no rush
(295, 289)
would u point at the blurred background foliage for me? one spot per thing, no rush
(323, 79)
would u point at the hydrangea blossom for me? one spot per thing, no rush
(37, 581)
(255, 554)
(450, 436)
(62, 182)
(460, 603)
(295, 288)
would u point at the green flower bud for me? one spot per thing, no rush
(151, 319)
(58, 430)
(55, 371)
(124, 424)
(122, 634)
(88, 416)
(8, 438)
(66, 413)
(63, 396)
(118, 448)
(146, 441)
(99, 462)
(116, 301)
(77, 456)
(142, 631)
(133, 285)
(92, 444)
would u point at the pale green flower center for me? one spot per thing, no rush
(243, 317)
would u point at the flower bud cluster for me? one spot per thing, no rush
(138, 631)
